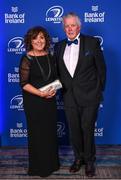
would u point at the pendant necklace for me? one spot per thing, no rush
(45, 77)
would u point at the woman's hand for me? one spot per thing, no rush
(48, 93)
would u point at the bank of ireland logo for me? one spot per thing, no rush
(14, 9)
(14, 17)
(99, 131)
(19, 125)
(95, 16)
(16, 103)
(16, 45)
(60, 129)
(94, 8)
(19, 131)
(54, 14)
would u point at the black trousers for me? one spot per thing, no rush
(81, 121)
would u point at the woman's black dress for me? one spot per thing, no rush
(41, 115)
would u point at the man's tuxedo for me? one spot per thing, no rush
(82, 93)
(86, 87)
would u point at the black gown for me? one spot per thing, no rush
(41, 115)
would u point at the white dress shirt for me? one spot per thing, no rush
(71, 55)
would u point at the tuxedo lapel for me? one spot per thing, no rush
(62, 49)
(80, 59)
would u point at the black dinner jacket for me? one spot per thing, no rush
(86, 87)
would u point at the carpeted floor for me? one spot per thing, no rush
(13, 164)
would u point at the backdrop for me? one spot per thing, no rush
(100, 18)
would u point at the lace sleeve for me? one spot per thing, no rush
(24, 70)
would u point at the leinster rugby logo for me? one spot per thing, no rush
(16, 45)
(16, 103)
(60, 129)
(101, 41)
(16, 42)
(54, 14)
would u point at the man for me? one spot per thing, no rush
(81, 68)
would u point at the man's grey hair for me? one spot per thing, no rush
(71, 14)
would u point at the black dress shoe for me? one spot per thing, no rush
(76, 166)
(90, 169)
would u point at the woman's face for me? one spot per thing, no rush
(39, 42)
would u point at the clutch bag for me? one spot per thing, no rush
(55, 85)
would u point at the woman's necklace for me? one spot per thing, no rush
(45, 77)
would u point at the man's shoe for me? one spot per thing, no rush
(76, 166)
(90, 169)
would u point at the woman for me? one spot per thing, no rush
(37, 69)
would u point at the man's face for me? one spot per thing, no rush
(71, 27)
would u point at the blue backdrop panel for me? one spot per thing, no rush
(100, 19)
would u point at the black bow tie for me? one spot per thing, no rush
(71, 42)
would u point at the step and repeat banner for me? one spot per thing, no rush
(99, 18)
